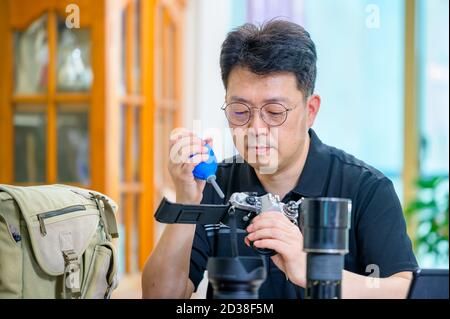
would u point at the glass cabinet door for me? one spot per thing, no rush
(73, 143)
(51, 129)
(31, 58)
(29, 143)
(74, 71)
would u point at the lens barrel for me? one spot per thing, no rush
(326, 222)
(236, 277)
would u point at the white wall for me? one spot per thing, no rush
(207, 23)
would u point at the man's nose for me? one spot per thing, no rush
(256, 122)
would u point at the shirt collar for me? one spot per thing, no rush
(316, 169)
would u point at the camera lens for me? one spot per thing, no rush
(326, 224)
(263, 251)
(236, 277)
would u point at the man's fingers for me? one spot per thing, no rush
(184, 154)
(177, 147)
(201, 184)
(272, 215)
(275, 244)
(188, 166)
(185, 140)
(178, 133)
(187, 152)
(274, 233)
(209, 141)
(261, 223)
(198, 158)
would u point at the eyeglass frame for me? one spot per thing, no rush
(225, 105)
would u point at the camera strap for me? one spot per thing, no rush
(233, 232)
(174, 213)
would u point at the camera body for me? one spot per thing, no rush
(255, 205)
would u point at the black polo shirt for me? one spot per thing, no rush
(378, 230)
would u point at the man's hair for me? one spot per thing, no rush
(275, 46)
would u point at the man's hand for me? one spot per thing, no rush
(186, 151)
(275, 231)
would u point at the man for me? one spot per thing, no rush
(269, 75)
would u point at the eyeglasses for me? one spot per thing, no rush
(239, 114)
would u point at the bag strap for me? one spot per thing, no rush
(72, 268)
(107, 216)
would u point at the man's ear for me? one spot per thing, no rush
(312, 108)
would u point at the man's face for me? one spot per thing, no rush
(270, 148)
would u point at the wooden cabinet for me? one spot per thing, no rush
(78, 103)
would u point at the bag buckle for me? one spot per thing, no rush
(71, 274)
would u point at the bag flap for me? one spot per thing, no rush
(5, 196)
(107, 205)
(57, 219)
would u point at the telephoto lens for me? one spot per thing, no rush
(326, 224)
(236, 277)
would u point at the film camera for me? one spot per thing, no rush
(255, 205)
(324, 223)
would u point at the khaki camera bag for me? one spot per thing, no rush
(56, 242)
